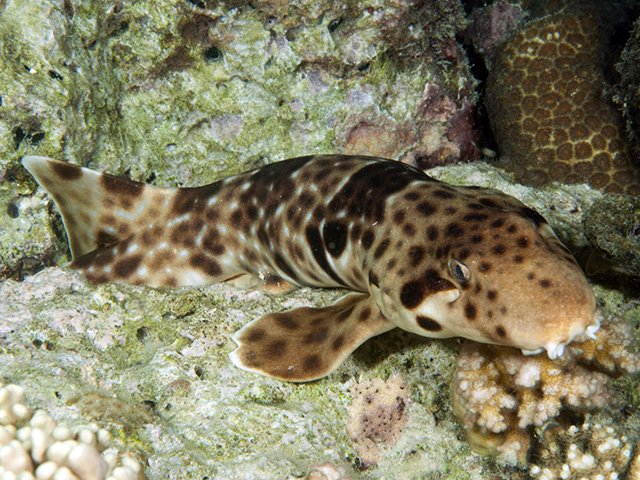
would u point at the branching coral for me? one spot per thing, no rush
(498, 393)
(592, 450)
(34, 446)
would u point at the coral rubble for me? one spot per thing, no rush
(34, 446)
(499, 394)
(547, 109)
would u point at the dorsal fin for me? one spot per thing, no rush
(97, 209)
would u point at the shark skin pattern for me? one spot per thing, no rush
(434, 259)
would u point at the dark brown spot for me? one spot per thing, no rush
(120, 186)
(312, 363)
(364, 314)
(275, 349)
(470, 311)
(499, 249)
(477, 239)
(435, 283)
(432, 232)
(544, 283)
(443, 194)
(66, 171)
(367, 239)
(426, 208)
(475, 217)
(531, 276)
(285, 321)
(412, 294)
(522, 242)
(450, 210)
(342, 316)
(104, 239)
(206, 264)
(337, 343)
(417, 255)
(497, 223)
(484, 267)
(487, 202)
(236, 216)
(319, 213)
(518, 259)
(512, 229)
(255, 335)
(127, 266)
(334, 235)
(409, 229)
(463, 254)
(381, 249)
(454, 230)
(428, 324)
(411, 196)
(492, 294)
(317, 336)
(500, 331)
(399, 216)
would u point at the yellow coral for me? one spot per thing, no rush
(547, 109)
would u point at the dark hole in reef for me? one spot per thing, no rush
(55, 75)
(213, 54)
(18, 137)
(199, 371)
(334, 24)
(198, 3)
(37, 138)
(12, 210)
(142, 333)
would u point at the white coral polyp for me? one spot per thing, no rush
(29, 440)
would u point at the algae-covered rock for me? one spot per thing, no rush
(612, 225)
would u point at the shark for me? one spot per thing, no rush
(433, 259)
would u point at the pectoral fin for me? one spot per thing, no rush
(305, 344)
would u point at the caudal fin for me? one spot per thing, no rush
(97, 209)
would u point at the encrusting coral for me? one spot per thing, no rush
(547, 109)
(34, 446)
(378, 415)
(499, 394)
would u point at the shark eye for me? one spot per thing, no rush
(459, 270)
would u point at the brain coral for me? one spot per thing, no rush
(500, 394)
(547, 110)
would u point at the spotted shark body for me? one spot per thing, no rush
(434, 259)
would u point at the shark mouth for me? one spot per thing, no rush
(555, 350)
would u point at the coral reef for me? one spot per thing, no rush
(33, 445)
(377, 416)
(547, 109)
(588, 451)
(498, 393)
(612, 225)
(627, 95)
(490, 24)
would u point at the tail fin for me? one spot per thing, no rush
(97, 209)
